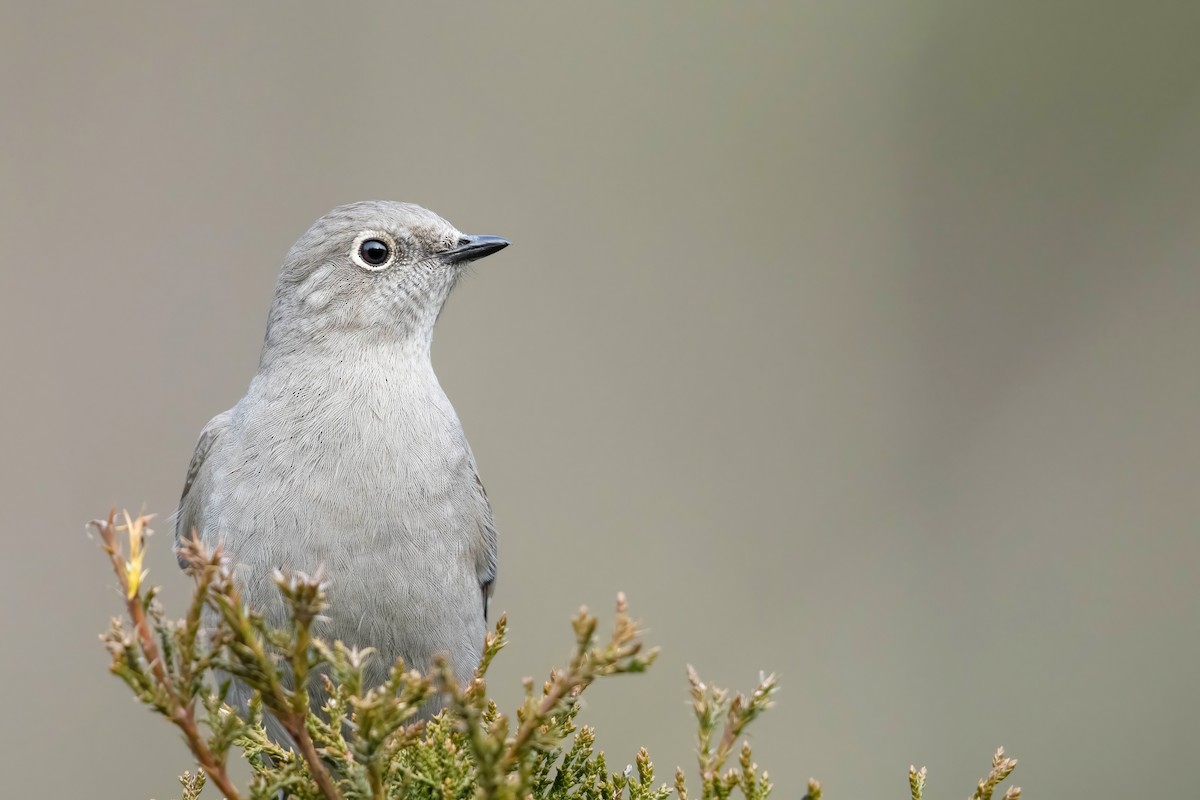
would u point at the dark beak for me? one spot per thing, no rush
(471, 248)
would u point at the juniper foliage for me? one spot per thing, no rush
(366, 743)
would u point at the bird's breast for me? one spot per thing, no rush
(373, 484)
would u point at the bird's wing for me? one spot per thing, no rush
(486, 546)
(187, 516)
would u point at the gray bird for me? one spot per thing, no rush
(346, 454)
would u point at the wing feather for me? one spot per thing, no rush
(488, 552)
(187, 516)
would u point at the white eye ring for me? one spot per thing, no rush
(363, 260)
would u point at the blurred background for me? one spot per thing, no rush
(855, 341)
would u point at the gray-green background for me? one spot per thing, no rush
(855, 341)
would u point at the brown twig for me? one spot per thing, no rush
(299, 732)
(586, 665)
(291, 714)
(182, 714)
(557, 692)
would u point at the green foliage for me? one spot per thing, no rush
(367, 741)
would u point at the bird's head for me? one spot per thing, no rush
(374, 271)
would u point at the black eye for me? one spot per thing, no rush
(374, 252)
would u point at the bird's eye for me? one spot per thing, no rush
(374, 252)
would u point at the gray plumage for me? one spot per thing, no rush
(346, 454)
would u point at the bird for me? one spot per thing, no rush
(346, 456)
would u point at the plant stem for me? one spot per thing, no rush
(182, 714)
(557, 692)
(299, 732)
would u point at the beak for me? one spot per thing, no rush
(471, 248)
